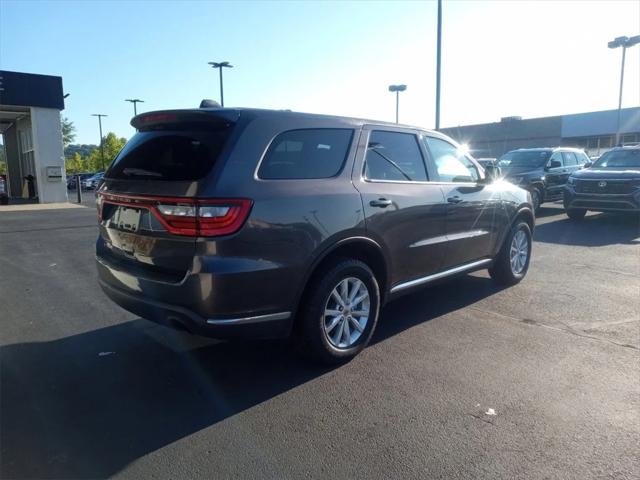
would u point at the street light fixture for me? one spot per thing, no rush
(134, 101)
(397, 89)
(100, 115)
(624, 42)
(220, 66)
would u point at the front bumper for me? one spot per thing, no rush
(601, 202)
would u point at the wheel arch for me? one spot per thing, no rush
(523, 213)
(358, 247)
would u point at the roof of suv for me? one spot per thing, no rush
(542, 149)
(233, 114)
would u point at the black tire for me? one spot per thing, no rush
(576, 213)
(310, 337)
(536, 198)
(501, 271)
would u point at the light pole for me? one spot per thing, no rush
(100, 115)
(220, 66)
(134, 101)
(624, 42)
(438, 62)
(397, 89)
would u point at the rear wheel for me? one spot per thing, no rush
(340, 312)
(576, 213)
(512, 263)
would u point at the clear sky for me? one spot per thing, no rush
(500, 58)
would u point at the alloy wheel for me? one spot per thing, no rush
(519, 252)
(346, 312)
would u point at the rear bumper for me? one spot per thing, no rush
(273, 325)
(601, 202)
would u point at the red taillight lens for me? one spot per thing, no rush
(191, 216)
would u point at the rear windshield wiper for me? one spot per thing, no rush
(140, 172)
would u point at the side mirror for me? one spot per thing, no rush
(554, 164)
(587, 164)
(492, 173)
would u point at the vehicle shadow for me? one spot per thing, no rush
(593, 231)
(87, 405)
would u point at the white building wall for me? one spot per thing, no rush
(47, 142)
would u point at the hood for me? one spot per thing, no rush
(513, 171)
(607, 173)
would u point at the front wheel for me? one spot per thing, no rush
(512, 263)
(340, 312)
(536, 199)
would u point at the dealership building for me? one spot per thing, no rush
(31, 132)
(595, 132)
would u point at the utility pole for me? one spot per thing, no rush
(134, 101)
(397, 89)
(624, 42)
(438, 64)
(220, 66)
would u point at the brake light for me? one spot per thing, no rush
(190, 216)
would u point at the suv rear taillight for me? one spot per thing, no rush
(196, 217)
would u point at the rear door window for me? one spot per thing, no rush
(569, 159)
(169, 155)
(394, 156)
(304, 154)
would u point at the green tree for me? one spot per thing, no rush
(68, 131)
(3, 161)
(73, 164)
(112, 146)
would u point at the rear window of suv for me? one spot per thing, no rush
(304, 154)
(174, 155)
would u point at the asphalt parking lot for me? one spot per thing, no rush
(463, 380)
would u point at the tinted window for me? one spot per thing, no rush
(582, 158)
(524, 158)
(628, 158)
(569, 158)
(452, 164)
(556, 156)
(313, 153)
(169, 155)
(394, 156)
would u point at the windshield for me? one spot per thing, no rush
(526, 158)
(619, 159)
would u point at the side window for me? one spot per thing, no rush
(394, 156)
(300, 154)
(557, 156)
(569, 159)
(582, 158)
(452, 165)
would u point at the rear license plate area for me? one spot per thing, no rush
(126, 219)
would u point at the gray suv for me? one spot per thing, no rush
(257, 223)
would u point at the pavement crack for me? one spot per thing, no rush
(566, 329)
(479, 417)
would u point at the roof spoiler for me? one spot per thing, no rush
(171, 117)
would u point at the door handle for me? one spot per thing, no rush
(381, 202)
(455, 199)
